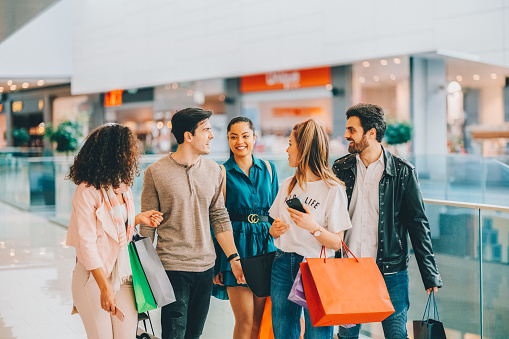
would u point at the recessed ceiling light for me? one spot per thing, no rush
(376, 78)
(25, 85)
(476, 77)
(392, 76)
(362, 80)
(9, 82)
(383, 62)
(397, 61)
(366, 64)
(328, 87)
(13, 87)
(493, 76)
(459, 78)
(175, 85)
(1, 89)
(40, 82)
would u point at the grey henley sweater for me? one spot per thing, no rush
(191, 201)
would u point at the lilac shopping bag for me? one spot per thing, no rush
(297, 292)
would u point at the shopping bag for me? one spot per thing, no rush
(297, 292)
(345, 291)
(154, 271)
(258, 269)
(142, 294)
(266, 331)
(430, 328)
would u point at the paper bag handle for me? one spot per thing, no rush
(347, 250)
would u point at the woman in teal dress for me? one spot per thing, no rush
(251, 186)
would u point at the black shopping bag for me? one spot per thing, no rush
(258, 269)
(154, 271)
(430, 328)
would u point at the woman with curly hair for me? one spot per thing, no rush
(101, 225)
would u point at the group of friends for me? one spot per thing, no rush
(208, 217)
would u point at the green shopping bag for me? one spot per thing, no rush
(142, 293)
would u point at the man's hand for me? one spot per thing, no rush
(434, 289)
(303, 220)
(150, 218)
(237, 271)
(219, 279)
(278, 228)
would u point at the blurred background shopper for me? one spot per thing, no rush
(250, 187)
(101, 225)
(301, 235)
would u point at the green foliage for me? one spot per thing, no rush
(20, 136)
(66, 135)
(398, 133)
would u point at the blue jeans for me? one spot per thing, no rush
(395, 325)
(185, 318)
(286, 314)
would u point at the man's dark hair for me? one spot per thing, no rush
(371, 116)
(186, 120)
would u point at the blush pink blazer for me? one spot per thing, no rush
(92, 231)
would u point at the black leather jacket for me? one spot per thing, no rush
(401, 214)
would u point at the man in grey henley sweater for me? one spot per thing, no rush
(186, 188)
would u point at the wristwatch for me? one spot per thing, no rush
(317, 232)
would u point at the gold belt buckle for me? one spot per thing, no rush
(253, 218)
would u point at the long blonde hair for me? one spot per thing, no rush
(313, 153)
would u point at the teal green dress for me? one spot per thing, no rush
(246, 195)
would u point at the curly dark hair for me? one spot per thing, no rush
(109, 158)
(371, 116)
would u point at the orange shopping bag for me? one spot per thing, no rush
(266, 324)
(345, 290)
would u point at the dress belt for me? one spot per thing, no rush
(251, 218)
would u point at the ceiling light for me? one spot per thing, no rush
(459, 78)
(9, 82)
(175, 85)
(362, 80)
(383, 62)
(13, 87)
(160, 124)
(328, 87)
(493, 76)
(366, 64)
(40, 82)
(476, 77)
(1, 89)
(392, 76)
(376, 78)
(25, 85)
(168, 124)
(397, 61)
(453, 87)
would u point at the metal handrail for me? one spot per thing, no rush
(468, 205)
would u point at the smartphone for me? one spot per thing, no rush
(296, 205)
(119, 314)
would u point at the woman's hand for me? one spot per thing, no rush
(108, 299)
(278, 228)
(151, 218)
(219, 279)
(303, 220)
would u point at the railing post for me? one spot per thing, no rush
(481, 289)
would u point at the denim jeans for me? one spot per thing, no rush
(185, 318)
(286, 314)
(395, 325)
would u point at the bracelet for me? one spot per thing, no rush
(231, 257)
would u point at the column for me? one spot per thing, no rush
(341, 81)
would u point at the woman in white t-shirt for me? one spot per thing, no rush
(301, 235)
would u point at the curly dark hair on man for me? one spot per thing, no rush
(371, 116)
(109, 158)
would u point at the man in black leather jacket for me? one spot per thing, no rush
(385, 205)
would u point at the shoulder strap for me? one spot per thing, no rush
(269, 168)
(224, 181)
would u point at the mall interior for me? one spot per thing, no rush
(439, 69)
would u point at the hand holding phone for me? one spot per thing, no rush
(119, 314)
(296, 205)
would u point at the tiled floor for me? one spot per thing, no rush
(35, 281)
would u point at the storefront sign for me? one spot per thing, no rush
(113, 98)
(296, 111)
(286, 80)
(17, 106)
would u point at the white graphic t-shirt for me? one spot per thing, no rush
(328, 206)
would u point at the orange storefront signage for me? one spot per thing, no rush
(299, 78)
(296, 111)
(113, 98)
